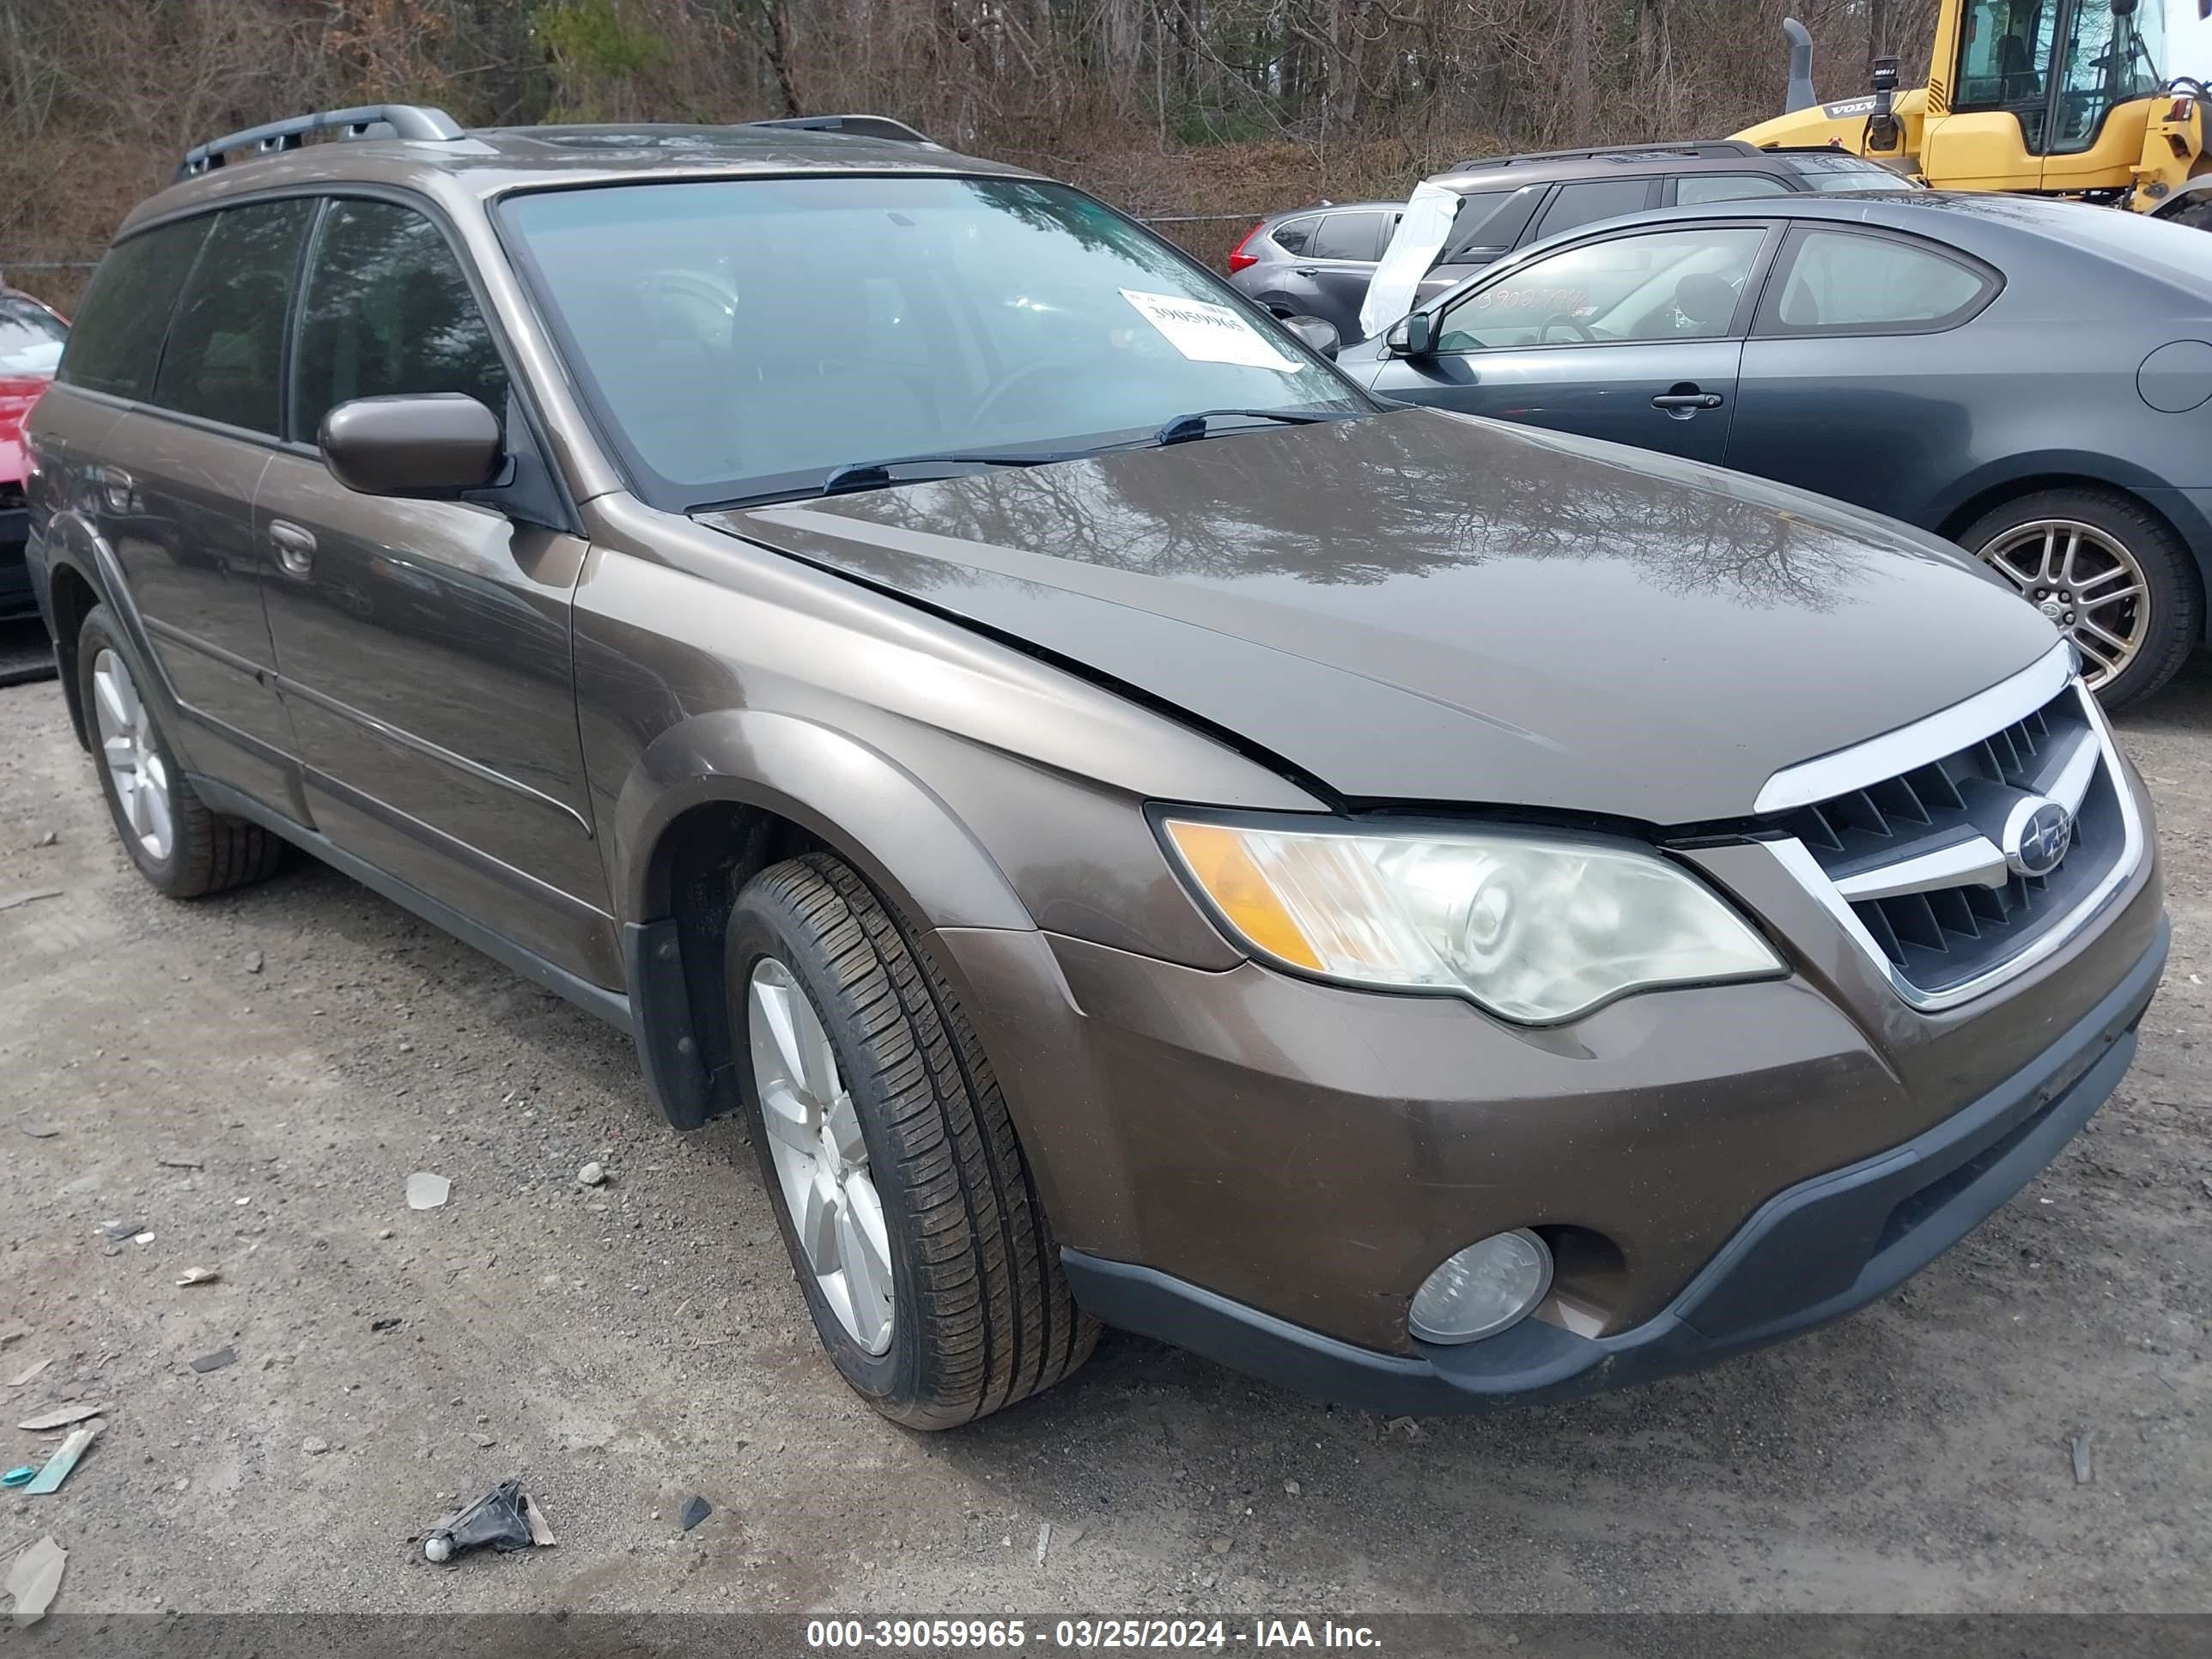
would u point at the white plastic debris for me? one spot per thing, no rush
(33, 1579)
(426, 1191)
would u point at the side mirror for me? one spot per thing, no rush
(1412, 336)
(1318, 333)
(431, 446)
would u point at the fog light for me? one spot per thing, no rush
(1480, 1290)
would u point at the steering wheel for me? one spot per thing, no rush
(987, 405)
(1561, 319)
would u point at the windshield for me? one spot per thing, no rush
(1835, 172)
(31, 338)
(751, 336)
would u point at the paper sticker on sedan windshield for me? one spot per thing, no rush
(1208, 333)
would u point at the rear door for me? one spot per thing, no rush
(1855, 381)
(1339, 262)
(1633, 337)
(174, 492)
(424, 645)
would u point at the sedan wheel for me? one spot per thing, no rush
(821, 1160)
(2108, 573)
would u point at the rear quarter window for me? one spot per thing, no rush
(1293, 237)
(115, 343)
(1838, 281)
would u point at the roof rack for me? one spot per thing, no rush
(1716, 149)
(397, 120)
(861, 126)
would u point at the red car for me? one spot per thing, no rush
(31, 338)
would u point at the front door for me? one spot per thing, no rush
(424, 645)
(1633, 337)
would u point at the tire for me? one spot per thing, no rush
(2166, 620)
(980, 1314)
(202, 851)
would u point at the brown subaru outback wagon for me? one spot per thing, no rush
(1430, 911)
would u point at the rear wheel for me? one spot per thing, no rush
(916, 1235)
(179, 843)
(2111, 574)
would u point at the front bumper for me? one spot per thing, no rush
(1810, 1254)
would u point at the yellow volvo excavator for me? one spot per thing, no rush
(2058, 97)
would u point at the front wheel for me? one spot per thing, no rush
(916, 1235)
(2112, 576)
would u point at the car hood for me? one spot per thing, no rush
(1427, 607)
(17, 393)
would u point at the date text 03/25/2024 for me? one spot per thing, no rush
(1261, 1636)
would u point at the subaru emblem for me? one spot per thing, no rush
(2037, 836)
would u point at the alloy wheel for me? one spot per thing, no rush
(2085, 580)
(133, 759)
(820, 1158)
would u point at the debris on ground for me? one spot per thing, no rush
(484, 1440)
(1044, 1541)
(115, 1231)
(179, 1162)
(254, 962)
(29, 1372)
(507, 1518)
(314, 1445)
(12, 900)
(695, 1512)
(426, 1191)
(214, 1362)
(389, 1323)
(37, 1127)
(33, 1579)
(1412, 1430)
(15, 1332)
(62, 1416)
(57, 1466)
(2083, 1473)
(22, 1476)
(594, 1174)
(47, 838)
(199, 1276)
(142, 1238)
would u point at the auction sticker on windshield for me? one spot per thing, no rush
(1207, 333)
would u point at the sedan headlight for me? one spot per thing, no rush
(1537, 927)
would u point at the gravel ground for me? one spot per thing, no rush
(251, 1078)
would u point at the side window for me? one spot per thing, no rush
(1694, 187)
(1594, 199)
(1648, 285)
(116, 340)
(1293, 237)
(1349, 236)
(387, 309)
(1476, 211)
(224, 359)
(1839, 281)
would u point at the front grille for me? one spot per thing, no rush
(1938, 829)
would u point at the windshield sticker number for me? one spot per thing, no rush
(1208, 333)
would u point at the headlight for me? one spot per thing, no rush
(1537, 927)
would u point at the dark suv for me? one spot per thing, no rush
(1318, 261)
(1432, 911)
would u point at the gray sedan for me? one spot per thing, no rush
(2031, 379)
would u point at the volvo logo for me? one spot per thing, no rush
(2037, 833)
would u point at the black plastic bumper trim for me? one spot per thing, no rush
(1809, 1255)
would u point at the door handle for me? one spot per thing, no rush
(296, 548)
(1303, 270)
(1683, 401)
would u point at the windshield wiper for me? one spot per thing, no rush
(1184, 428)
(874, 475)
(870, 475)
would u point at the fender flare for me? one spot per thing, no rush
(2112, 471)
(892, 826)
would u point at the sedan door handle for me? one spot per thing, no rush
(1684, 400)
(1303, 270)
(296, 548)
